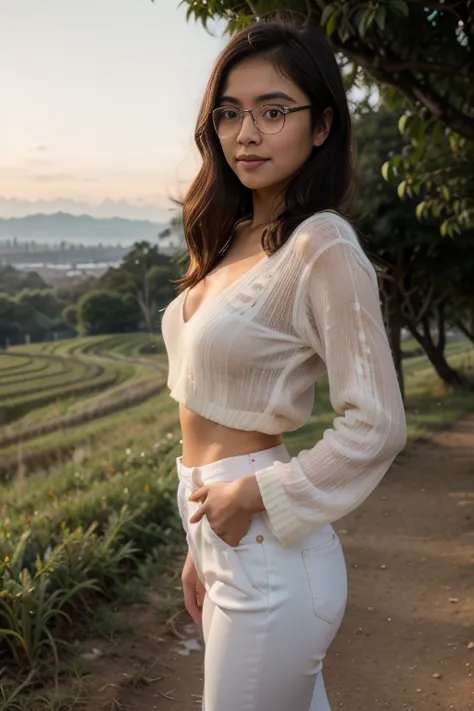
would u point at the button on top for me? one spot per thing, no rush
(259, 539)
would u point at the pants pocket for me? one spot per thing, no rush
(236, 577)
(219, 541)
(325, 567)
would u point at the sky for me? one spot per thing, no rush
(99, 100)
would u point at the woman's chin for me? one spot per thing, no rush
(256, 183)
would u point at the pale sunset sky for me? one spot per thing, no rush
(99, 98)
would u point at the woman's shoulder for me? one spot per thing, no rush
(322, 230)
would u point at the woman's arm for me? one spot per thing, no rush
(340, 317)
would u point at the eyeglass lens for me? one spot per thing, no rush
(227, 119)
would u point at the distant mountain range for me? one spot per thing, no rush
(63, 226)
(137, 210)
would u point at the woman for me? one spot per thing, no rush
(278, 292)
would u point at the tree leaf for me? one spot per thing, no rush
(332, 22)
(385, 169)
(400, 7)
(420, 208)
(365, 21)
(380, 17)
(436, 132)
(401, 188)
(326, 14)
(402, 122)
(445, 191)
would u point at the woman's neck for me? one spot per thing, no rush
(265, 207)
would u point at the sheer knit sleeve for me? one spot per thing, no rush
(339, 316)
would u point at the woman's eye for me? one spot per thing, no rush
(273, 113)
(229, 114)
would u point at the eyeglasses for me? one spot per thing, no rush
(268, 119)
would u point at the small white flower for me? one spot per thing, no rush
(169, 435)
(128, 451)
(142, 454)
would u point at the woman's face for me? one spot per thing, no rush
(285, 151)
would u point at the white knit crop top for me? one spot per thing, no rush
(250, 357)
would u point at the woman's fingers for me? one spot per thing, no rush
(200, 593)
(190, 602)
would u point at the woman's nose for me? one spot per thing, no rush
(248, 127)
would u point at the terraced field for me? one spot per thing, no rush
(55, 396)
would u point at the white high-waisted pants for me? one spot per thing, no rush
(270, 612)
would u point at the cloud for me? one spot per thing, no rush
(41, 149)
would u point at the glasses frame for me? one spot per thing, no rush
(285, 110)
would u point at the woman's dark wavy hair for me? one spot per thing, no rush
(216, 200)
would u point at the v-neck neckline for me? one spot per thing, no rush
(227, 289)
(207, 304)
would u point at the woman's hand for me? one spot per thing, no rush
(225, 508)
(193, 590)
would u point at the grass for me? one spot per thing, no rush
(74, 398)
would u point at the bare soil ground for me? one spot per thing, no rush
(405, 640)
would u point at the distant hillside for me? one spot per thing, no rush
(62, 226)
(138, 209)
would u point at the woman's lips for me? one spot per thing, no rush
(251, 164)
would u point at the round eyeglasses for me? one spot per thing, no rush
(270, 118)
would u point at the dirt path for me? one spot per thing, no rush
(410, 615)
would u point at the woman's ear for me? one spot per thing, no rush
(322, 132)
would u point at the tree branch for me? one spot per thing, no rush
(423, 93)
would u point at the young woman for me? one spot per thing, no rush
(278, 292)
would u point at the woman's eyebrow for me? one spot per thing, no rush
(262, 97)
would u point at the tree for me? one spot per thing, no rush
(144, 275)
(104, 312)
(14, 280)
(423, 274)
(9, 327)
(43, 300)
(419, 54)
(70, 316)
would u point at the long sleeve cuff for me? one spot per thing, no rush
(279, 512)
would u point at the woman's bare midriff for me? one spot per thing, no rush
(205, 441)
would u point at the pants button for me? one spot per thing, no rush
(259, 539)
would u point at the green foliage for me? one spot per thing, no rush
(79, 537)
(71, 293)
(144, 279)
(12, 280)
(44, 301)
(436, 169)
(69, 315)
(101, 311)
(33, 312)
(394, 224)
